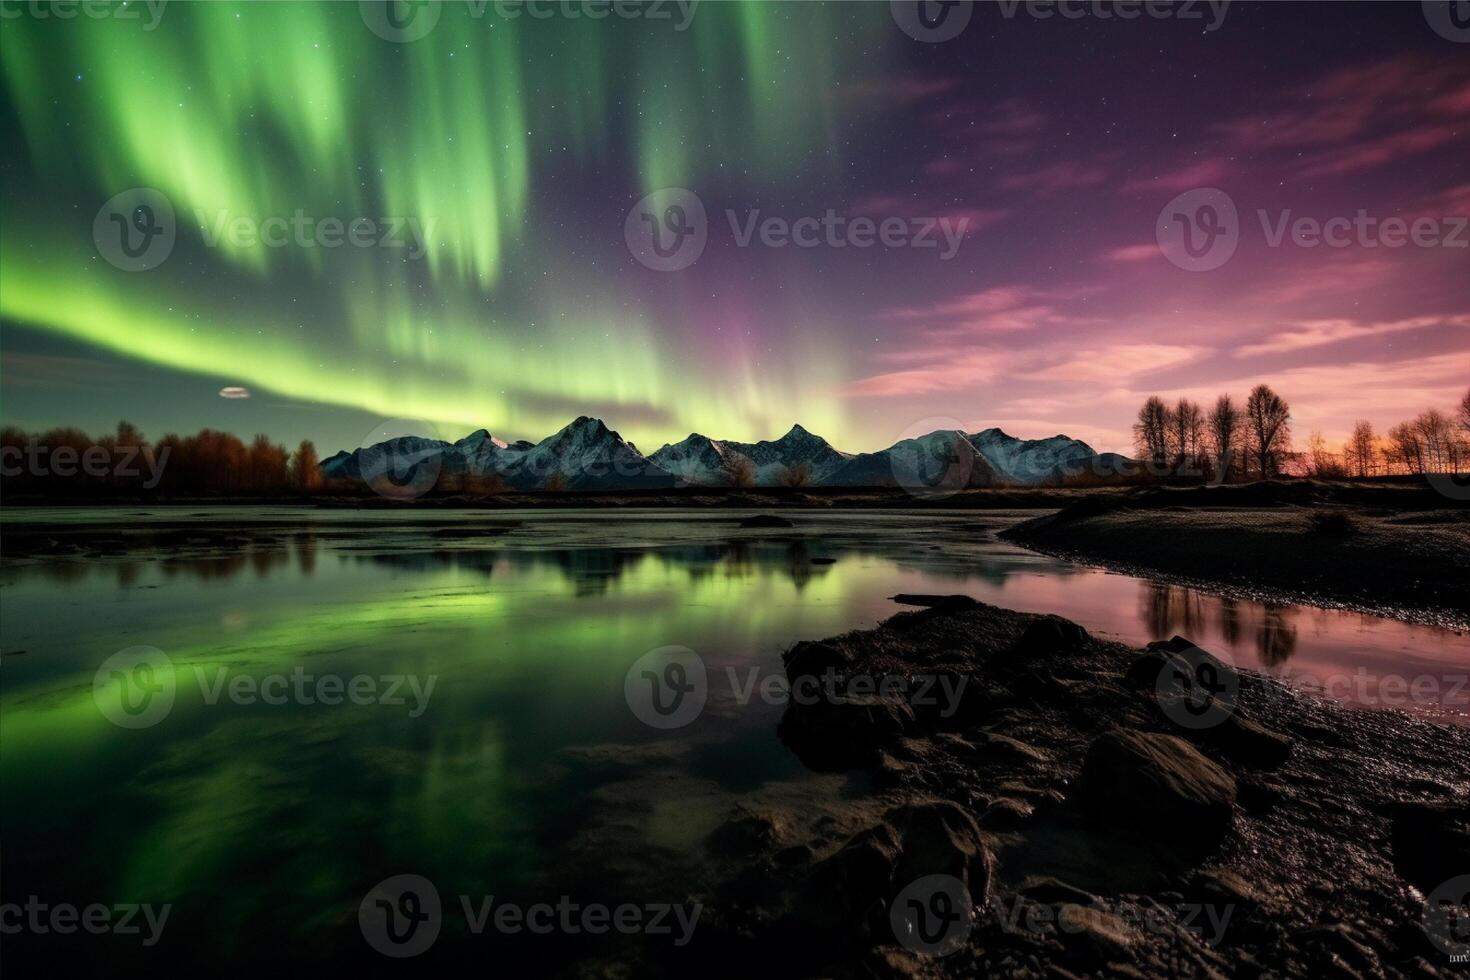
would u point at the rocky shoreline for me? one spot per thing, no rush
(1045, 803)
(1400, 554)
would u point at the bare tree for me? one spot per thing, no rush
(1151, 433)
(1186, 431)
(1359, 452)
(1406, 447)
(1223, 428)
(1463, 413)
(1437, 435)
(306, 473)
(739, 472)
(796, 475)
(1267, 429)
(1322, 461)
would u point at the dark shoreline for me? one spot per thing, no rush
(1398, 555)
(1089, 827)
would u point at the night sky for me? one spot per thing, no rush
(523, 145)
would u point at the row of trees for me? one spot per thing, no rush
(69, 462)
(1228, 440)
(1233, 440)
(1432, 442)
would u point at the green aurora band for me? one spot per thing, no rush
(258, 110)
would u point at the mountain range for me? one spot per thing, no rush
(587, 455)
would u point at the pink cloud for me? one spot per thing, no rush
(1319, 333)
(1201, 173)
(1058, 177)
(1117, 363)
(1132, 253)
(1361, 118)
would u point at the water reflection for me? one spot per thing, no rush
(1170, 610)
(528, 769)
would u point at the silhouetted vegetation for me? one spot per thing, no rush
(68, 463)
(1229, 443)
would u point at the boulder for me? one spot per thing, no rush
(1047, 634)
(840, 731)
(1249, 742)
(815, 659)
(940, 838)
(1159, 786)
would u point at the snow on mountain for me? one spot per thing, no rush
(397, 456)
(701, 461)
(798, 447)
(937, 462)
(695, 460)
(585, 455)
(1042, 461)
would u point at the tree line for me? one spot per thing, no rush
(1234, 440)
(69, 462)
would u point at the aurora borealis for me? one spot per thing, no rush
(518, 144)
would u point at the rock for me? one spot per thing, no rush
(746, 833)
(846, 889)
(1052, 891)
(947, 603)
(1050, 633)
(1006, 813)
(766, 520)
(815, 659)
(1175, 644)
(1431, 842)
(1221, 883)
(839, 731)
(1245, 741)
(1145, 671)
(940, 838)
(1106, 934)
(1157, 785)
(1003, 748)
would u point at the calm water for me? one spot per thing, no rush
(522, 771)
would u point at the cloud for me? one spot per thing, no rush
(1116, 363)
(1319, 333)
(1132, 253)
(1361, 118)
(1058, 177)
(1201, 173)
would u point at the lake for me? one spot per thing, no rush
(356, 695)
